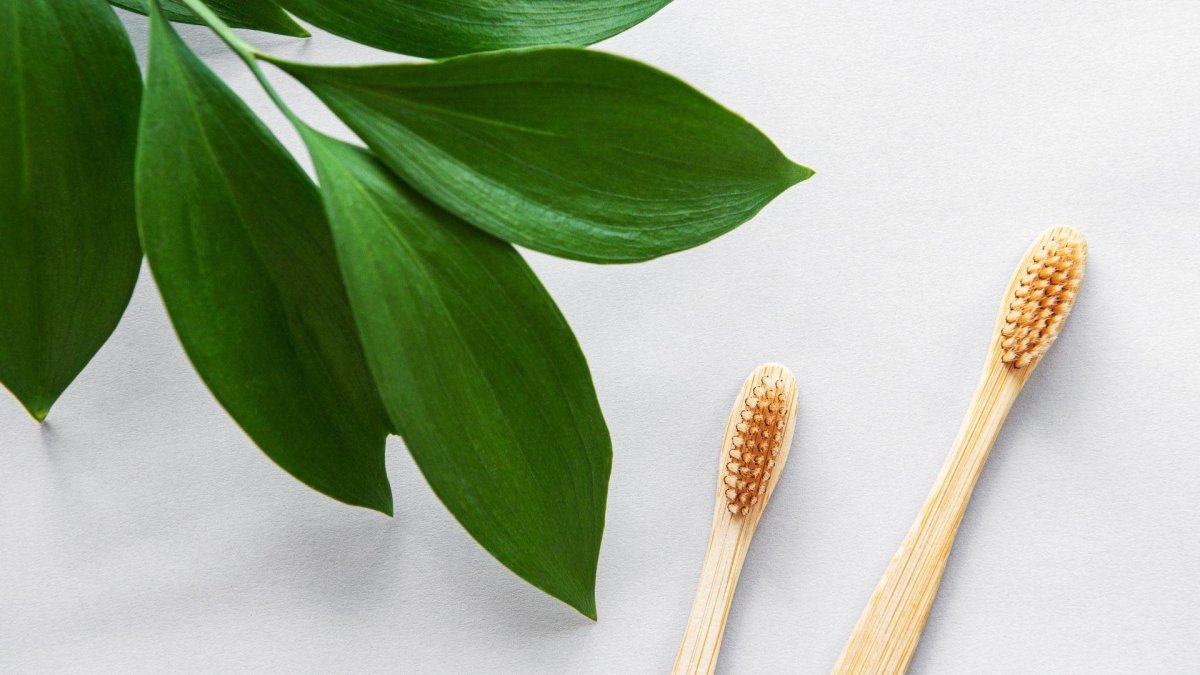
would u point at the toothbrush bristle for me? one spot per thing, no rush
(1043, 298)
(757, 439)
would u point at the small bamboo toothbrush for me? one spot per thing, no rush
(1034, 310)
(753, 452)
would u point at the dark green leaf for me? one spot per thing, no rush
(479, 371)
(264, 15)
(237, 240)
(572, 152)
(438, 28)
(69, 89)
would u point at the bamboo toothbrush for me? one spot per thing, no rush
(753, 452)
(1034, 309)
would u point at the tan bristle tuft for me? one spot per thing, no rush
(757, 439)
(1043, 298)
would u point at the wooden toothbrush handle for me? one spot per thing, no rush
(731, 533)
(723, 562)
(887, 632)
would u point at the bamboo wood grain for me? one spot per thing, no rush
(730, 539)
(887, 632)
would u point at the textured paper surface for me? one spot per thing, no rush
(142, 532)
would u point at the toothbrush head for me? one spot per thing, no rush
(760, 430)
(1041, 297)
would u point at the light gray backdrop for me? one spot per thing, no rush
(142, 532)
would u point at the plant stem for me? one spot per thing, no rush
(247, 53)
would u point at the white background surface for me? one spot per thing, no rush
(142, 532)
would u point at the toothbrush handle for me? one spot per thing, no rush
(723, 562)
(887, 632)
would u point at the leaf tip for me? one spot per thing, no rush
(38, 411)
(798, 174)
(380, 502)
(36, 403)
(383, 504)
(585, 603)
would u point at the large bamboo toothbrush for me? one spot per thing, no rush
(753, 452)
(1035, 307)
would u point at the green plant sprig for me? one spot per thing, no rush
(388, 299)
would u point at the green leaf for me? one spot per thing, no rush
(439, 28)
(572, 152)
(264, 15)
(479, 371)
(237, 240)
(69, 90)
